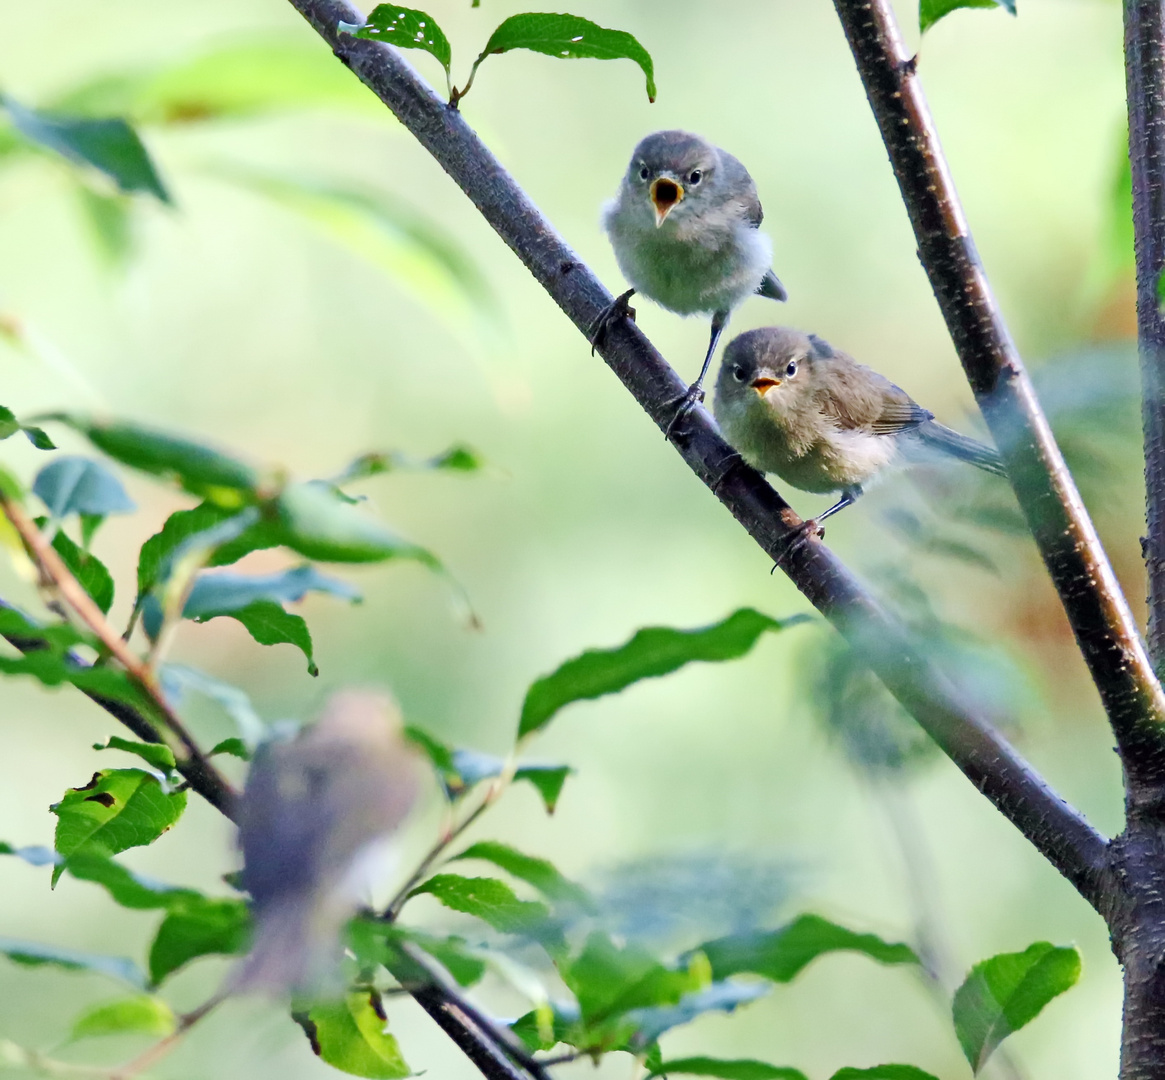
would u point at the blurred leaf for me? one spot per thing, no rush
(269, 624)
(234, 747)
(219, 593)
(182, 547)
(651, 1023)
(179, 527)
(548, 779)
(140, 1014)
(89, 570)
(126, 888)
(177, 679)
(930, 11)
(108, 144)
(541, 873)
(652, 652)
(406, 28)
(487, 899)
(33, 854)
(739, 1069)
(157, 755)
(33, 954)
(9, 426)
(77, 485)
(373, 942)
(110, 221)
(352, 1036)
(196, 467)
(118, 809)
(455, 459)
(781, 954)
(1006, 992)
(567, 36)
(883, 1072)
(198, 926)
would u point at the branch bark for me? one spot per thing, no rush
(1097, 611)
(1057, 831)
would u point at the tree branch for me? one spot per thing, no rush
(1062, 835)
(1067, 541)
(1145, 72)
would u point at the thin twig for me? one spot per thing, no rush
(1056, 829)
(162, 1047)
(54, 570)
(1089, 591)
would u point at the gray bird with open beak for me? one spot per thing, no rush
(685, 227)
(793, 405)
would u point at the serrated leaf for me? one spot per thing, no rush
(352, 1036)
(651, 1023)
(196, 467)
(726, 1069)
(487, 899)
(34, 954)
(90, 571)
(571, 37)
(141, 1014)
(781, 954)
(930, 11)
(1004, 993)
(118, 809)
(108, 144)
(883, 1072)
(541, 873)
(269, 624)
(652, 652)
(78, 485)
(157, 755)
(406, 28)
(199, 926)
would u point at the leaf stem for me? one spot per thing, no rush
(164, 1046)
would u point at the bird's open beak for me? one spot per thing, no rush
(666, 195)
(764, 384)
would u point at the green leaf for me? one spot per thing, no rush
(198, 926)
(1004, 993)
(89, 570)
(77, 485)
(652, 652)
(541, 873)
(487, 899)
(651, 1023)
(126, 888)
(156, 554)
(781, 954)
(883, 1072)
(548, 779)
(118, 809)
(733, 1069)
(351, 1035)
(196, 467)
(373, 942)
(234, 747)
(141, 1014)
(568, 36)
(109, 145)
(110, 223)
(157, 755)
(455, 459)
(269, 624)
(33, 954)
(9, 426)
(221, 593)
(406, 28)
(930, 11)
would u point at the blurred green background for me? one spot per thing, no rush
(238, 319)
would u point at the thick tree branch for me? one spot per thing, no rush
(1145, 73)
(1067, 540)
(1076, 850)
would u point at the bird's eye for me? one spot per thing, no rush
(644, 173)
(738, 373)
(695, 176)
(791, 370)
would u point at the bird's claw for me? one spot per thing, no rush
(617, 309)
(801, 536)
(692, 397)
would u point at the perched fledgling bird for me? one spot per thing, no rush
(685, 229)
(312, 809)
(794, 406)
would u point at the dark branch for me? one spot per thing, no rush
(1067, 540)
(1145, 71)
(1076, 850)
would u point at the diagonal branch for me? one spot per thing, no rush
(1056, 830)
(1067, 541)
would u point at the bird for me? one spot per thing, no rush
(312, 810)
(685, 227)
(791, 404)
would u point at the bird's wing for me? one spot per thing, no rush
(862, 400)
(737, 175)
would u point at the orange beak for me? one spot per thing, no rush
(763, 385)
(666, 195)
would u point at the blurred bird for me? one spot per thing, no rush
(794, 406)
(312, 811)
(685, 229)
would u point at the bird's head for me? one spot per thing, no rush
(675, 172)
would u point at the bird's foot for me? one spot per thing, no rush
(692, 397)
(617, 309)
(804, 532)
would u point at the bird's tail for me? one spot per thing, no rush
(771, 287)
(935, 436)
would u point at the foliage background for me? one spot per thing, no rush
(239, 321)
